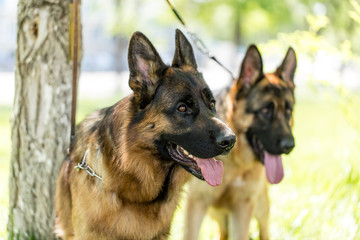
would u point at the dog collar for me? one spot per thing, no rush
(84, 166)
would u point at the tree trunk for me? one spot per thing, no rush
(41, 115)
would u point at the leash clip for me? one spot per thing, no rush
(84, 166)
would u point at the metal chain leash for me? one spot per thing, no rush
(84, 166)
(197, 41)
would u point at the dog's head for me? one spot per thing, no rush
(175, 109)
(269, 102)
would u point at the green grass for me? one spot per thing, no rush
(319, 197)
(5, 150)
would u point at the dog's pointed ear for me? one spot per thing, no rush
(145, 66)
(184, 54)
(286, 70)
(251, 67)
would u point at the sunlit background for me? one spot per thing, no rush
(319, 197)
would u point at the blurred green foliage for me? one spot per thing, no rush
(355, 14)
(241, 21)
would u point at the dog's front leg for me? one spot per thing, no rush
(195, 212)
(222, 218)
(262, 212)
(240, 220)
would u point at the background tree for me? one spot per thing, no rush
(41, 115)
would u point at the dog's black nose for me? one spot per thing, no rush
(226, 142)
(287, 144)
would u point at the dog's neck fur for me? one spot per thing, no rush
(138, 167)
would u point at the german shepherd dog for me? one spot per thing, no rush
(258, 107)
(132, 157)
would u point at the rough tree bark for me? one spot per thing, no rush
(41, 115)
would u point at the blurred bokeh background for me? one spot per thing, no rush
(319, 197)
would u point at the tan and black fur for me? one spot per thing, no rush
(258, 107)
(129, 146)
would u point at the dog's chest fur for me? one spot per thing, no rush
(107, 211)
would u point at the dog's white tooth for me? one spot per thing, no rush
(191, 156)
(186, 152)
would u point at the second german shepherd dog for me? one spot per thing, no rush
(258, 107)
(133, 156)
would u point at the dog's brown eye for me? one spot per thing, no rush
(212, 105)
(288, 111)
(265, 110)
(182, 108)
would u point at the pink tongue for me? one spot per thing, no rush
(273, 167)
(211, 169)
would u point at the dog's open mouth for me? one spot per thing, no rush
(210, 170)
(273, 163)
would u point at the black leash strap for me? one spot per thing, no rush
(198, 43)
(75, 52)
